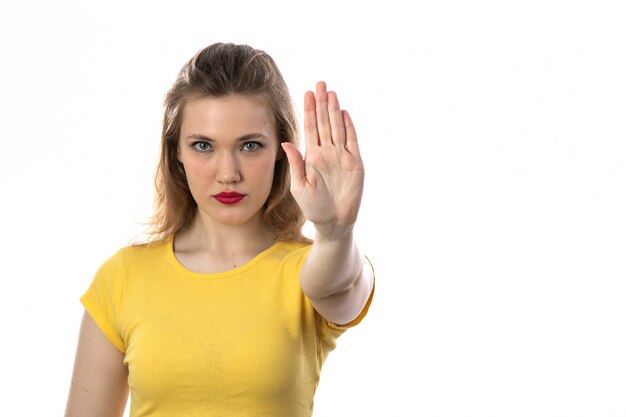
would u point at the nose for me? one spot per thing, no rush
(227, 169)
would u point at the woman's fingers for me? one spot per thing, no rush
(321, 112)
(310, 121)
(337, 128)
(352, 144)
(296, 165)
(324, 121)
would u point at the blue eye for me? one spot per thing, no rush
(201, 146)
(251, 146)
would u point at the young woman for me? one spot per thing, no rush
(229, 310)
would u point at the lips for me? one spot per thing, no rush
(229, 197)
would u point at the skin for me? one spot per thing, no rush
(226, 144)
(99, 382)
(327, 183)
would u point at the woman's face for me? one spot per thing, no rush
(228, 147)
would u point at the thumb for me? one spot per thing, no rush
(296, 165)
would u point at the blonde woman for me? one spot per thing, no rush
(228, 309)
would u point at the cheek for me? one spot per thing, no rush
(261, 171)
(196, 167)
(196, 175)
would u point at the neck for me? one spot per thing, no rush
(208, 236)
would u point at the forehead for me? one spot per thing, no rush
(230, 115)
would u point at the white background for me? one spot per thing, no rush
(494, 136)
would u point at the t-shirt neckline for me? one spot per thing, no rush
(174, 262)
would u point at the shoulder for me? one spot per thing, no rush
(135, 254)
(289, 254)
(292, 245)
(291, 248)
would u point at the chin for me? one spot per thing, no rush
(234, 218)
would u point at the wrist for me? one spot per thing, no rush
(333, 233)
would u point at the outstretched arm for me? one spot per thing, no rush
(328, 185)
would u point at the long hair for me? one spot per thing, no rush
(219, 70)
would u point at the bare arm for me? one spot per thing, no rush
(337, 279)
(99, 382)
(328, 184)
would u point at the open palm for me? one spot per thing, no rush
(328, 182)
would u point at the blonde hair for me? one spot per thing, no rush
(219, 70)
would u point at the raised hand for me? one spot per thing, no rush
(328, 182)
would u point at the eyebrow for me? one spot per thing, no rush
(243, 138)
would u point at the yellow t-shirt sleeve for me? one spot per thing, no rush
(103, 299)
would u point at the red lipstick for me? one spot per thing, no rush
(229, 197)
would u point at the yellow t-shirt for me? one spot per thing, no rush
(245, 342)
